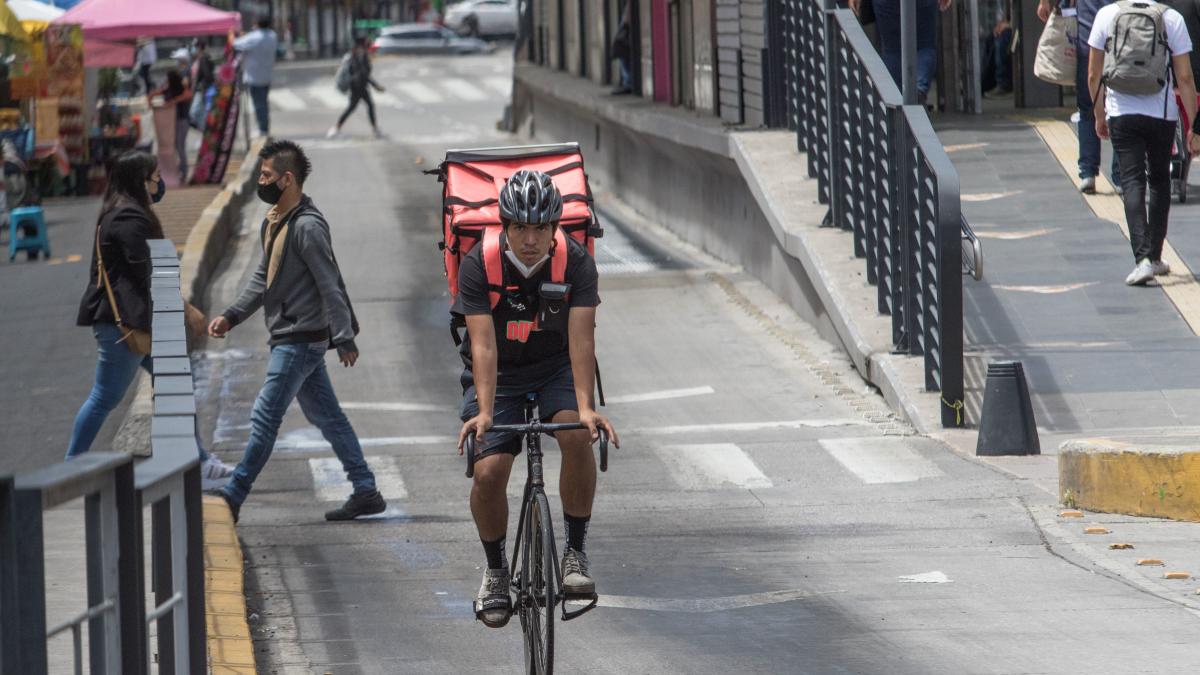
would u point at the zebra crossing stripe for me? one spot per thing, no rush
(464, 90)
(420, 92)
(881, 460)
(500, 85)
(330, 484)
(707, 466)
(384, 98)
(285, 99)
(328, 96)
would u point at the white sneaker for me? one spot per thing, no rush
(214, 473)
(332, 133)
(1160, 267)
(1141, 274)
(1088, 185)
(378, 133)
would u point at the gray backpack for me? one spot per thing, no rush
(1136, 55)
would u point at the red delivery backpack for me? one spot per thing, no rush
(472, 180)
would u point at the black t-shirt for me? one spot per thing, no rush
(1190, 10)
(540, 345)
(177, 83)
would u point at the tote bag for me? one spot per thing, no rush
(1055, 60)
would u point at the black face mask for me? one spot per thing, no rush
(158, 194)
(270, 192)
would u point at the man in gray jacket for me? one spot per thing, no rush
(308, 312)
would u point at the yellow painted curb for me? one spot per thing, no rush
(230, 647)
(1181, 285)
(1114, 477)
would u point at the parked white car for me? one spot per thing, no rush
(483, 17)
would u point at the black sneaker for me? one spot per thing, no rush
(234, 509)
(359, 504)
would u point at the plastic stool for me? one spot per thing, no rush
(27, 232)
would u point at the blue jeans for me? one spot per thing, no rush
(262, 107)
(1089, 142)
(115, 369)
(887, 23)
(298, 372)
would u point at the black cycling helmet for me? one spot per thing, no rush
(530, 197)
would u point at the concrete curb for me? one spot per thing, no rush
(205, 246)
(230, 648)
(1099, 474)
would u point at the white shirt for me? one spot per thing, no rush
(1116, 103)
(148, 54)
(259, 48)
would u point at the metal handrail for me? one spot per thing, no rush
(972, 252)
(115, 492)
(887, 179)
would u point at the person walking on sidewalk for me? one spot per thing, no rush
(117, 298)
(358, 75)
(887, 24)
(178, 92)
(147, 54)
(1139, 110)
(258, 48)
(307, 312)
(1089, 142)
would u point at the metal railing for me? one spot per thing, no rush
(115, 493)
(887, 179)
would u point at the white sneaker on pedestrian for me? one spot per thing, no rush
(378, 133)
(1141, 274)
(332, 133)
(214, 473)
(1088, 185)
(1160, 267)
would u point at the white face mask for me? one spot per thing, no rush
(525, 270)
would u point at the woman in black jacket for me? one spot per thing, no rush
(125, 225)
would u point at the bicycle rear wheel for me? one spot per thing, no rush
(539, 588)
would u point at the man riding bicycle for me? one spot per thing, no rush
(528, 295)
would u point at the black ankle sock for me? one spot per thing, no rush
(496, 558)
(576, 530)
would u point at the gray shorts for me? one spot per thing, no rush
(552, 382)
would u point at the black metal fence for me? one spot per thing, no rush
(886, 177)
(115, 492)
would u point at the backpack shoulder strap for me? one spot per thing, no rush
(558, 262)
(493, 266)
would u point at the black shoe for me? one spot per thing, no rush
(234, 509)
(359, 504)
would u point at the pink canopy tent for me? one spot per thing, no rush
(110, 26)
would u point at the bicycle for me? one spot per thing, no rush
(534, 567)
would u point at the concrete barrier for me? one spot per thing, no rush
(206, 244)
(1100, 474)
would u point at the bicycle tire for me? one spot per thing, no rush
(539, 588)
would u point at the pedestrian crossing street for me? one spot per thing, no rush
(696, 467)
(401, 95)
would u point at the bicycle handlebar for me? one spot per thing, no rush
(535, 428)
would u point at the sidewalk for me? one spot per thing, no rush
(1102, 358)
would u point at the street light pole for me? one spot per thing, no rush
(908, 50)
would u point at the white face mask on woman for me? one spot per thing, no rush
(525, 270)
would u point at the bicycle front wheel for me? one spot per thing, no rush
(539, 588)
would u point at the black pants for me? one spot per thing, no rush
(356, 94)
(144, 71)
(1143, 146)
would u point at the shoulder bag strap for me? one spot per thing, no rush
(102, 279)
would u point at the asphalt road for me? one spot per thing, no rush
(753, 521)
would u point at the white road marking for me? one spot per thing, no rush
(329, 96)
(705, 466)
(330, 484)
(661, 395)
(384, 98)
(987, 196)
(398, 406)
(880, 460)
(746, 426)
(420, 92)
(500, 85)
(1047, 290)
(704, 605)
(1016, 235)
(285, 99)
(934, 577)
(463, 90)
(313, 444)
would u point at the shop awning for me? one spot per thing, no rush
(34, 15)
(10, 25)
(122, 20)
